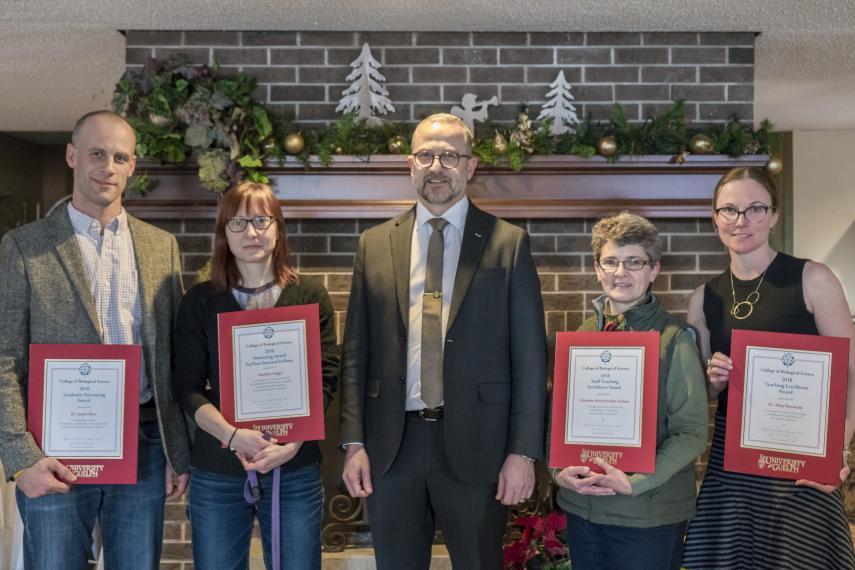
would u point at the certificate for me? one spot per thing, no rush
(786, 405)
(270, 371)
(604, 399)
(83, 408)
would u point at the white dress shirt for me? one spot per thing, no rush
(111, 269)
(453, 236)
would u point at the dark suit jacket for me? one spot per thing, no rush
(494, 361)
(45, 298)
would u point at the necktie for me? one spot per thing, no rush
(431, 380)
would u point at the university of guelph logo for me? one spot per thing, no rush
(780, 464)
(788, 359)
(268, 332)
(85, 369)
(605, 356)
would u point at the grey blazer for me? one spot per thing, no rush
(45, 298)
(494, 360)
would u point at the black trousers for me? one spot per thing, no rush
(418, 494)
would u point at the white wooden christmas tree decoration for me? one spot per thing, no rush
(366, 95)
(558, 107)
(471, 110)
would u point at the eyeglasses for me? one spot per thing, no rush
(753, 214)
(611, 264)
(260, 223)
(424, 159)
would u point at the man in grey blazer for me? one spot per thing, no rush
(92, 274)
(443, 366)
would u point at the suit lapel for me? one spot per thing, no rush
(400, 241)
(476, 232)
(144, 250)
(69, 256)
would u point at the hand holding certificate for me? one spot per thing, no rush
(786, 405)
(604, 400)
(83, 408)
(270, 371)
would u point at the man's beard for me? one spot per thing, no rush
(439, 194)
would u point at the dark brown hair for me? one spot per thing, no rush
(754, 173)
(253, 196)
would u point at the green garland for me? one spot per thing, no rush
(180, 111)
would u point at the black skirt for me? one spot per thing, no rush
(750, 522)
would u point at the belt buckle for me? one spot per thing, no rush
(423, 414)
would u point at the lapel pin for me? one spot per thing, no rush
(477, 234)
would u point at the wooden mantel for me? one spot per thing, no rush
(547, 187)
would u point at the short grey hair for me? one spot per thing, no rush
(448, 119)
(626, 228)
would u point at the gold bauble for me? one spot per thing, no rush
(607, 146)
(294, 143)
(500, 144)
(701, 144)
(269, 146)
(337, 150)
(775, 165)
(397, 144)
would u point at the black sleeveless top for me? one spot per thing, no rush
(781, 307)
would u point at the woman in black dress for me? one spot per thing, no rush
(747, 521)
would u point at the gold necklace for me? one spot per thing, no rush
(742, 309)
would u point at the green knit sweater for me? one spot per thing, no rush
(666, 496)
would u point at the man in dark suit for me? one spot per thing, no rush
(443, 366)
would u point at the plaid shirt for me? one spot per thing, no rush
(111, 268)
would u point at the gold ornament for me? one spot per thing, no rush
(701, 144)
(269, 146)
(607, 146)
(500, 144)
(523, 135)
(397, 144)
(775, 165)
(337, 150)
(294, 143)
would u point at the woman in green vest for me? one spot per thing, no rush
(638, 521)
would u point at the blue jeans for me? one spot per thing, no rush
(596, 546)
(221, 520)
(58, 528)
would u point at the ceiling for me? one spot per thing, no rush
(71, 51)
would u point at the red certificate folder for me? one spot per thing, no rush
(785, 403)
(628, 458)
(68, 374)
(268, 336)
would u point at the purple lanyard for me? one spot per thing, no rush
(252, 494)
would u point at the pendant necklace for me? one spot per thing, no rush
(742, 309)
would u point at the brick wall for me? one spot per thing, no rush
(303, 73)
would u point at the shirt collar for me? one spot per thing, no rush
(455, 215)
(85, 224)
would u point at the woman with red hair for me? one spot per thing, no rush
(250, 269)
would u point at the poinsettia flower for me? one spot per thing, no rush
(556, 521)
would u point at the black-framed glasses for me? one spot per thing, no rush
(424, 159)
(611, 264)
(753, 214)
(260, 223)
